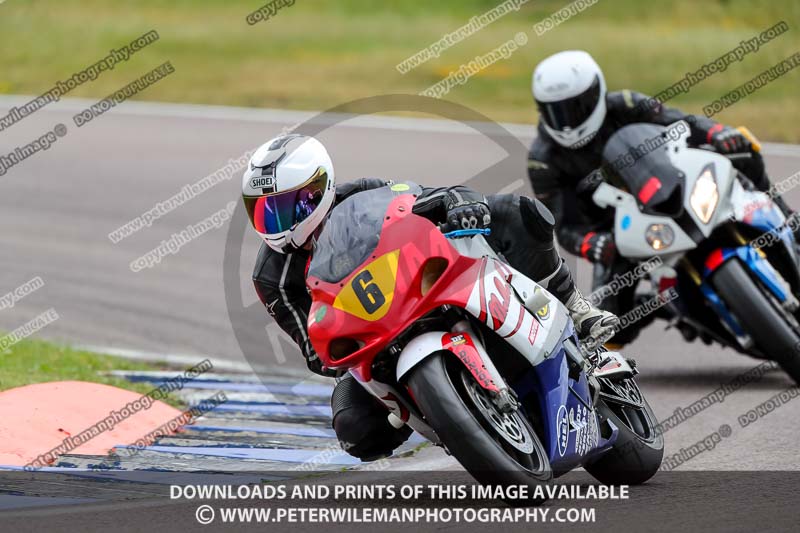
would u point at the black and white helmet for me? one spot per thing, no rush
(570, 92)
(288, 189)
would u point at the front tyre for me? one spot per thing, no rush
(495, 448)
(759, 316)
(639, 449)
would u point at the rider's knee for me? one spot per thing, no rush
(361, 422)
(537, 218)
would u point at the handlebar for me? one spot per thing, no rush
(455, 234)
(733, 157)
(739, 156)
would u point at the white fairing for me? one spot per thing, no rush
(630, 224)
(535, 333)
(541, 329)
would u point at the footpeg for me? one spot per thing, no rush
(615, 366)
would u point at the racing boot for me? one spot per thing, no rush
(594, 326)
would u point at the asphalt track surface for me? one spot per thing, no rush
(58, 207)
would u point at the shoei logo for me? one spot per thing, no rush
(267, 182)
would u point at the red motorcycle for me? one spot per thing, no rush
(469, 352)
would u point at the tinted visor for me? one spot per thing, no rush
(278, 212)
(572, 112)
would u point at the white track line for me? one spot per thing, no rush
(292, 118)
(280, 116)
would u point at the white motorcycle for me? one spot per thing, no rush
(723, 248)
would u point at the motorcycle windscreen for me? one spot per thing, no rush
(637, 156)
(353, 230)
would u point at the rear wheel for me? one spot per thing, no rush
(639, 449)
(494, 447)
(760, 316)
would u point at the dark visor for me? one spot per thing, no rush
(572, 112)
(275, 213)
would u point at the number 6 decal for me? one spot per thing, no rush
(368, 292)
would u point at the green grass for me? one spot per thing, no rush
(320, 53)
(34, 361)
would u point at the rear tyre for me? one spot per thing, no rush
(759, 316)
(637, 454)
(495, 448)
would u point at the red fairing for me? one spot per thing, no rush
(418, 241)
(714, 260)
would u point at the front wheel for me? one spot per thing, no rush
(494, 447)
(760, 316)
(639, 449)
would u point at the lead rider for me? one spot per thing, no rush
(289, 189)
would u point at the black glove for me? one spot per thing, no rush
(590, 183)
(314, 363)
(599, 248)
(466, 214)
(727, 140)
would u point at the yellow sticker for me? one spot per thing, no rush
(400, 187)
(544, 312)
(369, 294)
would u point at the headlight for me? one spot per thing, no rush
(705, 195)
(659, 236)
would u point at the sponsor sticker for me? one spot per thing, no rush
(584, 424)
(562, 430)
(534, 331)
(458, 340)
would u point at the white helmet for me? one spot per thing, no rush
(288, 190)
(570, 92)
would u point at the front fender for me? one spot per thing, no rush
(470, 353)
(418, 350)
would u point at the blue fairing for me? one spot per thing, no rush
(571, 430)
(767, 218)
(754, 262)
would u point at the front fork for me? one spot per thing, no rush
(503, 396)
